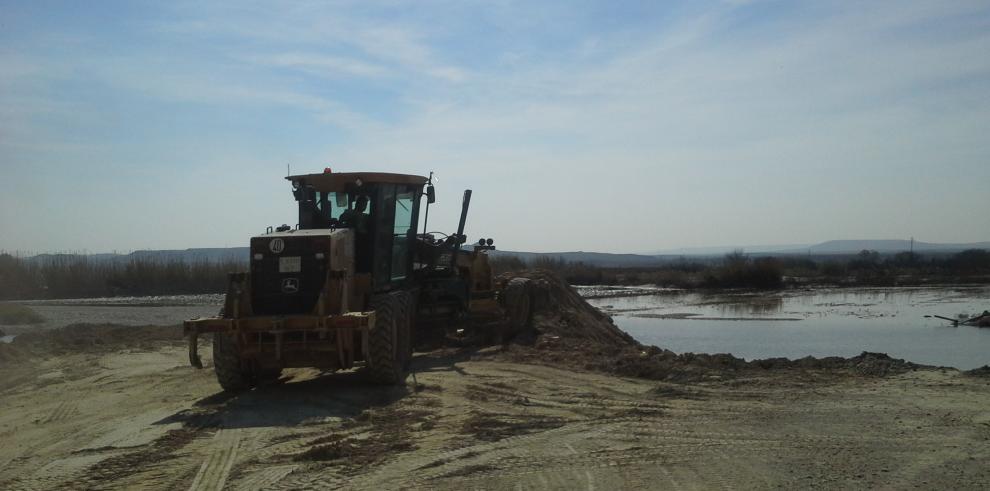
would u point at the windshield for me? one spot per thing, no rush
(339, 208)
(332, 205)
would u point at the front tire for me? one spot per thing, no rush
(408, 302)
(233, 377)
(388, 343)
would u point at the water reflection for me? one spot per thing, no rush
(757, 306)
(840, 322)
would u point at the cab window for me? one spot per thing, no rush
(401, 231)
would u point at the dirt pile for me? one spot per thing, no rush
(631, 361)
(87, 338)
(866, 364)
(559, 312)
(660, 364)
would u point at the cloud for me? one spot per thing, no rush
(404, 47)
(713, 123)
(382, 45)
(850, 109)
(322, 65)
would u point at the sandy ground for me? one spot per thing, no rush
(138, 315)
(132, 415)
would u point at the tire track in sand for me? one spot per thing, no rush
(213, 473)
(268, 477)
(63, 411)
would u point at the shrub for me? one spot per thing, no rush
(738, 271)
(970, 261)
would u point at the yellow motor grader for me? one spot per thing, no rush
(353, 283)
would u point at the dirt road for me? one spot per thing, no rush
(134, 416)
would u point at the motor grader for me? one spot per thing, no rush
(355, 282)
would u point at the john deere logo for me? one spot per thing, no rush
(277, 246)
(290, 285)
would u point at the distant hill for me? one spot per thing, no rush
(721, 250)
(885, 246)
(828, 248)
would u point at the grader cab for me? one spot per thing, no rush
(354, 283)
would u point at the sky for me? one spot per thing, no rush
(594, 126)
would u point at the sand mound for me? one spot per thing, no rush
(87, 338)
(559, 312)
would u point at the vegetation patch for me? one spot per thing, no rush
(740, 270)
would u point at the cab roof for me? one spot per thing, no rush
(338, 181)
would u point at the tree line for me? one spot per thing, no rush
(77, 276)
(737, 270)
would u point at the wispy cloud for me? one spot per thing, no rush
(321, 65)
(404, 47)
(319, 26)
(688, 116)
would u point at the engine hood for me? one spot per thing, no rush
(289, 269)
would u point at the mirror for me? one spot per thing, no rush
(431, 194)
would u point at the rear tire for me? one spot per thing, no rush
(388, 341)
(233, 377)
(408, 319)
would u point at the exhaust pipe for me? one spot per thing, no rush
(460, 228)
